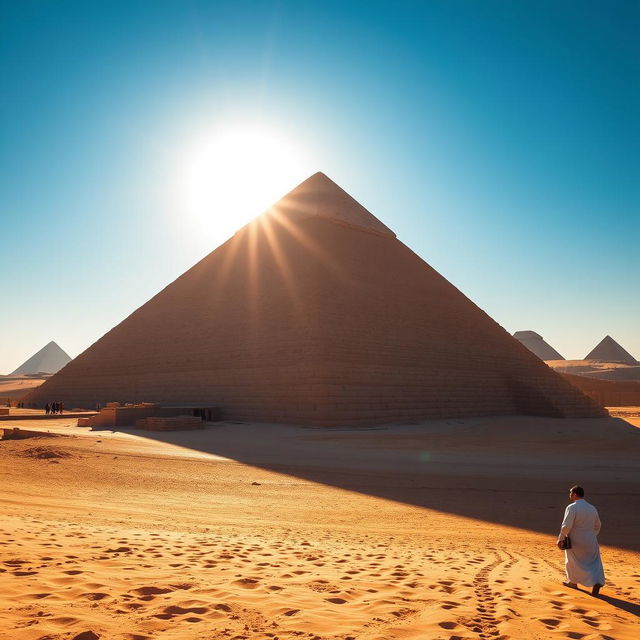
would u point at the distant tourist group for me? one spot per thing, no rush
(54, 407)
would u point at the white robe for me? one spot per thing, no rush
(582, 562)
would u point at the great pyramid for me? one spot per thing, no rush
(608, 350)
(314, 313)
(536, 344)
(50, 359)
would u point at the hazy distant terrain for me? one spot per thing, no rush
(597, 369)
(16, 387)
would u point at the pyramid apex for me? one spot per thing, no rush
(318, 179)
(320, 197)
(319, 174)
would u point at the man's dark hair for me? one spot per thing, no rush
(578, 490)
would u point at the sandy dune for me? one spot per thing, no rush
(597, 369)
(443, 530)
(16, 387)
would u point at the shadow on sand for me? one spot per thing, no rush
(509, 470)
(624, 605)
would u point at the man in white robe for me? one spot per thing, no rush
(581, 525)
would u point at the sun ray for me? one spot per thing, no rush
(281, 216)
(285, 270)
(252, 263)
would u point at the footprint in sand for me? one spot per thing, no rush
(151, 591)
(596, 624)
(443, 585)
(247, 583)
(550, 623)
(95, 596)
(176, 610)
(447, 624)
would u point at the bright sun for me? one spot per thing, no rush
(235, 172)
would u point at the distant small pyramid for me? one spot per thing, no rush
(50, 359)
(536, 344)
(608, 350)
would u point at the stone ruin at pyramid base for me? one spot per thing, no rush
(315, 313)
(116, 414)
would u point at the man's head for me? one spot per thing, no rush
(576, 492)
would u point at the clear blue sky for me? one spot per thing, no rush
(500, 140)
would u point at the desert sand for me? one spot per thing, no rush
(16, 387)
(441, 530)
(614, 371)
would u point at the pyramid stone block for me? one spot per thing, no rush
(315, 313)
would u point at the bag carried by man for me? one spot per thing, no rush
(565, 543)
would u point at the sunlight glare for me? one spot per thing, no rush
(235, 173)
